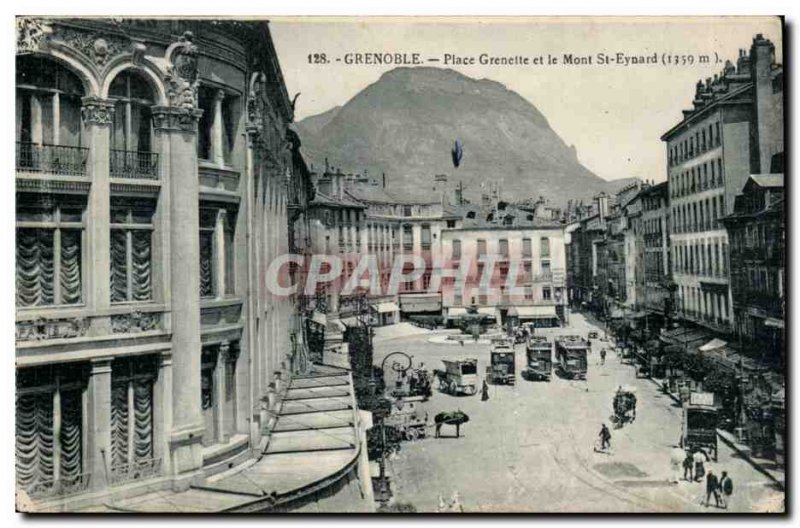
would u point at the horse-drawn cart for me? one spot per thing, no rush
(624, 406)
(501, 368)
(459, 376)
(409, 417)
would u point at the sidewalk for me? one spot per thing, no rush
(764, 466)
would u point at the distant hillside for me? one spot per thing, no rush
(405, 125)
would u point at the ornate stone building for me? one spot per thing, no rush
(156, 181)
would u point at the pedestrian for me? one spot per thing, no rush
(676, 458)
(700, 459)
(712, 488)
(484, 391)
(602, 356)
(726, 485)
(688, 462)
(605, 438)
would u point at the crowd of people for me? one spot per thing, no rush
(693, 461)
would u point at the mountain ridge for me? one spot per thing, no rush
(405, 123)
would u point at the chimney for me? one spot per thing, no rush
(769, 121)
(384, 180)
(602, 206)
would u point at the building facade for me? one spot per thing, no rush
(733, 130)
(655, 253)
(757, 232)
(156, 180)
(523, 247)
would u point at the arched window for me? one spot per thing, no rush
(132, 130)
(48, 118)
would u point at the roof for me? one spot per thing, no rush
(696, 114)
(378, 194)
(330, 201)
(767, 180)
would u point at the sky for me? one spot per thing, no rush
(613, 114)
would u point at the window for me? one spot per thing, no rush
(546, 293)
(49, 251)
(408, 237)
(451, 224)
(407, 210)
(503, 246)
(456, 249)
(131, 128)
(426, 236)
(48, 108)
(216, 130)
(481, 247)
(458, 300)
(49, 453)
(131, 250)
(526, 248)
(528, 293)
(131, 413)
(544, 244)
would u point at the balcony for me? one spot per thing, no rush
(52, 159)
(138, 470)
(134, 164)
(50, 488)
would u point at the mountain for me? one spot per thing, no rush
(405, 125)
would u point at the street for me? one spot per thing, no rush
(530, 447)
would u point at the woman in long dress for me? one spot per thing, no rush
(484, 391)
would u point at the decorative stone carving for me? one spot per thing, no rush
(32, 34)
(182, 79)
(98, 48)
(138, 49)
(44, 329)
(255, 113)
(175, 118)
(97, 111)
(134, 322)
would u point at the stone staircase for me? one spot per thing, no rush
(316, 414)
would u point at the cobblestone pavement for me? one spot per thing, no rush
(530, 447)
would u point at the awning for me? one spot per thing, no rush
(488, 310)
(319, 318)
(386, 307)
(616, 313)
(714, 344)
(421, 303)
(533, 312)
(350, 321)
(456, 313)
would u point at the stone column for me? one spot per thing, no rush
(417, 240)
(97, 118)
(217, 131)
(220, 390)
(219, 257)
(162, 410)
(98, 457)
(176, 133)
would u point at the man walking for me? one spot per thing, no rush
(484, 391)
(712, 488)
(726, 485)
(688, 462)
(602, 356)
(605, 438)
(676, 458)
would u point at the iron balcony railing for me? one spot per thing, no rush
(45, 488)
(134, 164)
(52, 159)
(137, 470)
